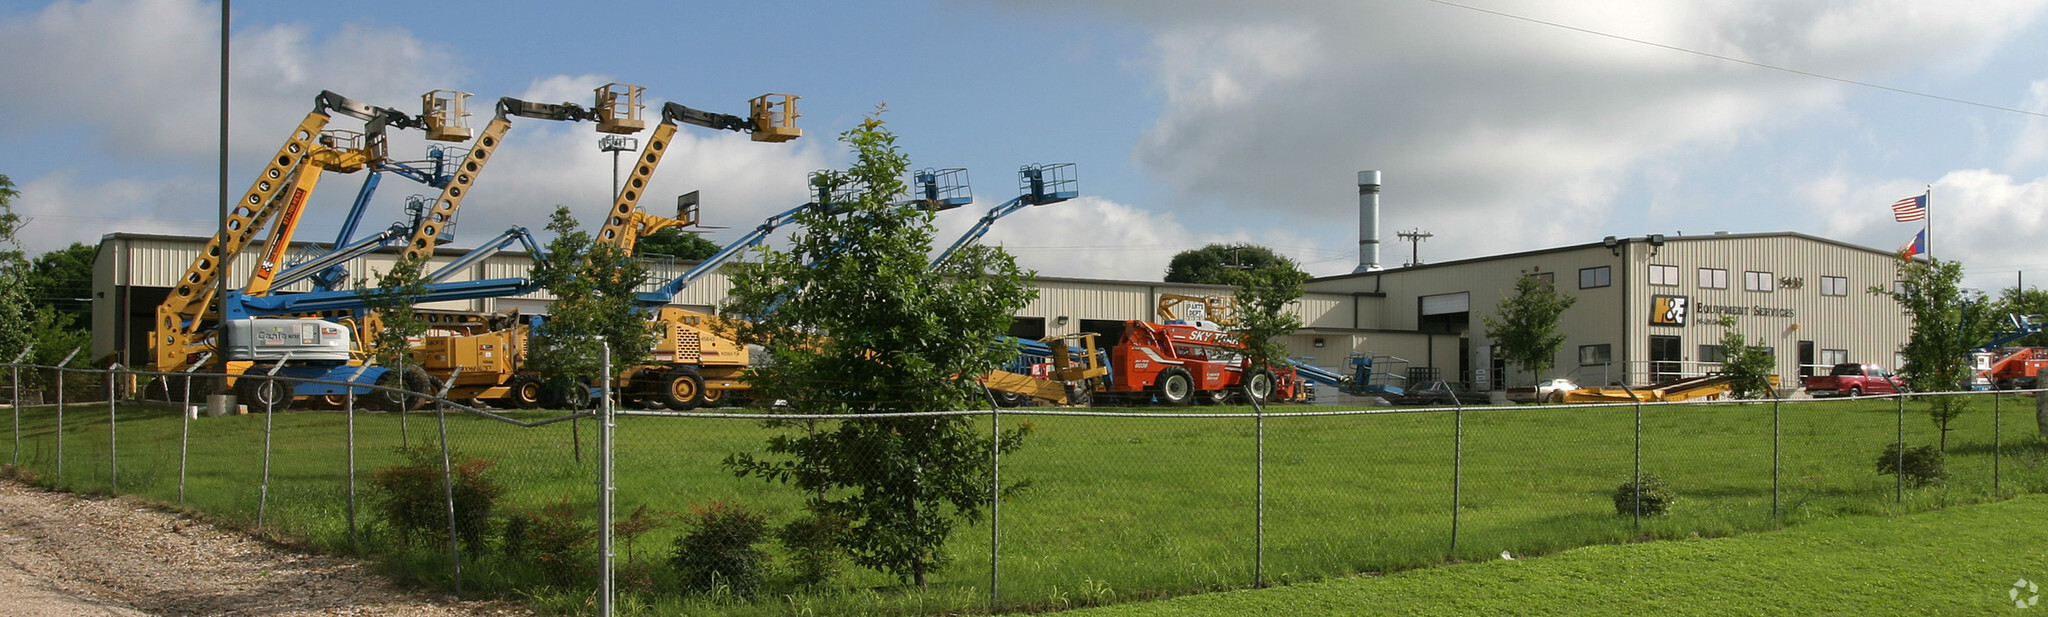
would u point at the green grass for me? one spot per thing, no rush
(1959, 561)
(1109, 509)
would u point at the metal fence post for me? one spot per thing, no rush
(605, 489)
(1457, 468)
(1899, 472)
(995, 496)
(263, 492)
(447, 473)
(16, 403)
(1997, 443)
(59, 372)
(1637, 487)
(1777, 448)
(113, 443)
(1259, 503)
(348, 408)
(185, 424)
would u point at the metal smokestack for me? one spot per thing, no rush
(1368, 221)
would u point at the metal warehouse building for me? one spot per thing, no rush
(1648, 307)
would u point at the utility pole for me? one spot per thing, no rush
(1414, 238)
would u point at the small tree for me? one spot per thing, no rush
(15, 306)
(674, 242)
(856, 320)
(1749, 367)
(1948, 322)
(392, 297)
(1216, 264)
(1526, 329)
(1263, 295)
(593, 284)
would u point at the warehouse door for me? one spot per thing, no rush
(1665, 354)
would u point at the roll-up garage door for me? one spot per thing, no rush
(1445, 304)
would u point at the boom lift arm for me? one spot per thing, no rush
(771, 118)
(427, 235)
(179, 318)
(1039, 185)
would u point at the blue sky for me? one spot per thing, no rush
(1190, 121)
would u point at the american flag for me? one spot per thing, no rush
(1910, 209)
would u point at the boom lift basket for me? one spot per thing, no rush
(447, 115)
(618, 109)
(774, 117)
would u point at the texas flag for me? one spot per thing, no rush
(1916, 247)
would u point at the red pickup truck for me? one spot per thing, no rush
(1852, 379)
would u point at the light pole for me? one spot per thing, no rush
(616, 144)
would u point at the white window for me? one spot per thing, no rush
(1713, 278)
(1595, 277)
(1834, 285)
(1831, 357)
(1663, 275)
(1758, 281)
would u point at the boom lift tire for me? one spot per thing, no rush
(714, 398)
(1008, 399)
(264, 393)
(1081, 394)
(1259, 385)
(419, 388)
(1175, 387)
(682, 389)
(524, 392)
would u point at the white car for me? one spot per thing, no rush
(1551, 391)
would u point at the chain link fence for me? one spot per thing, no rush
(1096, 506)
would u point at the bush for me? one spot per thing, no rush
(1656, 495)
(414, 502)
(1924, 465)
(720, 552)
(557, 537)
(815, 552)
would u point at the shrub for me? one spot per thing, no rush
(414, 502)
(815, 553)
(1656, 495)
(721, 551)
(558, 537)
(1924, 465)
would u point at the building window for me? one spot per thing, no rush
(1595, 277)
(1834, 285)
(1898, 288)
(1831, 357)
(1548, 279)
(1595, 355)
(1713, 278)
(1713, 353)
(1758, 281)
(1663, 275)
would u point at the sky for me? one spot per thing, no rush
(1499, 125)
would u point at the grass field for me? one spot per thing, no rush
(1959, 561)
(1110, 509)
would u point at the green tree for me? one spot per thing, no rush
(1526, 327)
(1263, 296)
(1215, 263)
(15, 304)
(2029, 301)
(62, 279)
(593, 284)
(674, 242)
(856, 320)
(1948, 321)
(1749, 366)
(392, 297)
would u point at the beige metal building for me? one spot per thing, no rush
(1647, 307)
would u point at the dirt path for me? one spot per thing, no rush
(64, 556)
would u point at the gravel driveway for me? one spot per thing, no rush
(63, 556)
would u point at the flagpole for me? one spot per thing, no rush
(1929, 197)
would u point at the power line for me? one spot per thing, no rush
(1739, 60)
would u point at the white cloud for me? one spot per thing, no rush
(2031, 145)
(1486, 125)
(1990, 221)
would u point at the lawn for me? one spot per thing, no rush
(1958, 561)
(1103, 509)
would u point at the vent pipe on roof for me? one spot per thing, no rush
(1368, 221)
